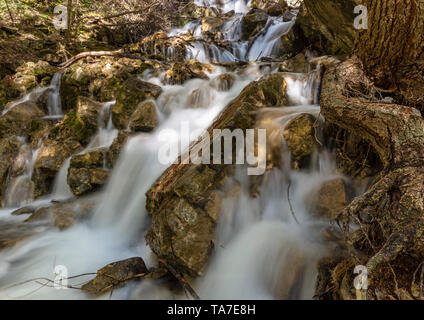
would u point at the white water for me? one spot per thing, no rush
(260, 253)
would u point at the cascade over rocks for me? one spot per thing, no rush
(87, 172)
(182, 230)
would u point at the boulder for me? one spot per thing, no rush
(144, 117)
(183, 71)
(87, 172)
(253, 22)
(211, 25)
(200, 97)
(115, 275)
(79, 125)
(331, 198)
(223, 82)
(50, 159)
(296, 64)
(15, 121)
(100, 79)
(299, 135)
(133, 92)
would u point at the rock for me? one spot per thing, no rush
(133, 92)
(15, 121)
(211, 25)
(42, 213)
(115, 275)
(296, 64)
(331, 199)
(183, 71)
(23, 210)
(116, 147)
(324, 61)
(183, 202)
(328, 25)
(50, 159)
(63, 218)
(223, 82)
(100, 80)
(300, 137)
(79, 125)
(144, 117)
(200, 98)
(9, 148)
(86, 172)
(253, 22)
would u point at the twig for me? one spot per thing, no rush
(186, 286)
(288, 198)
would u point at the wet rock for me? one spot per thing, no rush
(253, 22)
(223, 82)
(39, 214)
(49, 161)
(131, 94)
(87, 172)
(300, 137)
(144, 117)
(80, 124)
(116, 147)
(296, 64)
(331, 199)
(200, 98)
(30, 75)
(9, 148)
(14, 122)
(115, 275)
(100, 79)
(63, 218)
(211, 25)
(23, 210)
(324, 61)
(183, 71)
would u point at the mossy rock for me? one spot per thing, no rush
(133, 92)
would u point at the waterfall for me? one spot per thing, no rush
(261, 251)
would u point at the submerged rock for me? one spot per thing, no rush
(133, 92)
(223, 82)
(115, 275)
(300, 137)
(144, 117)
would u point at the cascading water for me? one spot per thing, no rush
(263, 249)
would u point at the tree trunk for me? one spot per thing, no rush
(392, 47)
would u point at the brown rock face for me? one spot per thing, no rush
(115, 275)
(116, 147)
(17, 118)
(331, 199)
(144, 117)
(87, 172)
(299, 136)
(9, 148)
(132, 93)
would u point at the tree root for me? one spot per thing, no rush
(391, 213)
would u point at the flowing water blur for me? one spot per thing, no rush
(261, 251)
